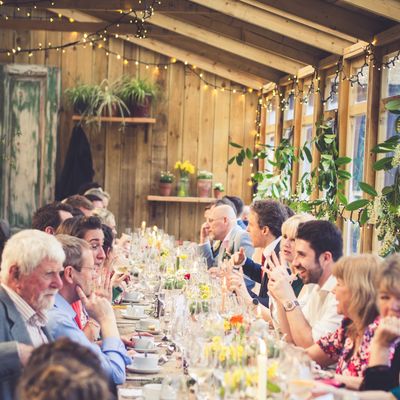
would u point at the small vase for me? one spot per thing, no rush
(165, 188)
(204, 187)
(183, 186)
(217, 194)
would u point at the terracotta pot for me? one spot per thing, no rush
(165, 188)
(204, 187)
(217, 194)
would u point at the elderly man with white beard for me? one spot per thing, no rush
(30, 278)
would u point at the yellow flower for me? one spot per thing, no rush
(272, 369)
(186, 167)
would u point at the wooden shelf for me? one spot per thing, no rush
(117, 119)
(176, 199)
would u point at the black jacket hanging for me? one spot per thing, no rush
(78, 166)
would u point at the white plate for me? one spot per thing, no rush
(130, 301)
(152, 350)
(134, 317)
(132, 368)
(147, 331)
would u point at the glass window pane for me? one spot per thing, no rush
(359, 93)
(353, 234)
(389, 122)
(308, 105)
(357, 165)
(270, 141)
(271, 113)
(306, 136)
(288, 114)
(330, 87)
(391, 78)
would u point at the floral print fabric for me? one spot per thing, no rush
(340, 347)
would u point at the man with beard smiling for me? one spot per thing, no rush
(79, 275)
(30, 278)
(318, 246)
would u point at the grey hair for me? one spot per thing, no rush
(73, 248)
(28, 249)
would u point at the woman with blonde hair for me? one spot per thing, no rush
(355, 291)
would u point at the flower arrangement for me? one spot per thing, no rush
(219, 186)
(185, 168)
(166, 177)
(203, 174)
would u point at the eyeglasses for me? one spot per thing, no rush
(211, 220)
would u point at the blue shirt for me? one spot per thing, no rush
(112, 354)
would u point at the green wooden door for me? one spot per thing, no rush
(29, 96)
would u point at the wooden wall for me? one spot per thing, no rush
(193, 123)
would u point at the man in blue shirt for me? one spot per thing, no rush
(78, 279)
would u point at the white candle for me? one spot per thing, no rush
(259, 316)
(262, 371)
(143, 226)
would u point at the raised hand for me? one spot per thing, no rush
(239, 257)
(97, 307)
(103, 286)
(387, 332)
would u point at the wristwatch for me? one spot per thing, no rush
(290, 305)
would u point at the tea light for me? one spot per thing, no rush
(262, 371)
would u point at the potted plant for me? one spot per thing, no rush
(204, 181)
(218, 189)
(108, 102)
(138, 94)
(166, 180)
(83, 98)
(185, 168)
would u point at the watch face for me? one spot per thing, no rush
(289, 305)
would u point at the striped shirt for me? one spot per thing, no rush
(34, 321)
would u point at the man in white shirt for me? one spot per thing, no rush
(30, 278)
(318, 246)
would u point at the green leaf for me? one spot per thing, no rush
(342, 198)
(364, 217)
(249, 154)
(365, 187)
(384, 163)
(356, 204)
(307, 152)
(238, 146)
(387, 189)
(343, 160)
(231, 160)
(273, 387)
(344, 174)
(393, 106)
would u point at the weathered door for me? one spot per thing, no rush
(29, 99)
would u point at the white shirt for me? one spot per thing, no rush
(320, 309)
(34, 321)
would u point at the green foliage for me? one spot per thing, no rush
(135, 90)
(202, 174)
(219, 186)
(167, 177)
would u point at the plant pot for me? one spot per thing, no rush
(204, 187)
(183, 186)
(217, 194)
(165, 188)
(142, 110)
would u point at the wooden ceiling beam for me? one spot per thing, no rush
(276, 23)
(228, 72)
(169, 6)
(226, 43)
(386, 37)
(385, 8)
(304, 21)
(329, 15)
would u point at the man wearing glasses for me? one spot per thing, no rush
(78, 277)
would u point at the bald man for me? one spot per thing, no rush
(221, 225)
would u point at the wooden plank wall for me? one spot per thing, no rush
(193, 122)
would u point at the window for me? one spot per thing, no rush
(331, 91)
(356, 149)
(288, 114)
(390, 78)
(270, 128)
